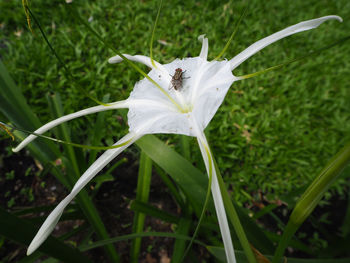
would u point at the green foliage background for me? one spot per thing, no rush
(273, 132)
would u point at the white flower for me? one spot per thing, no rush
(185, 109)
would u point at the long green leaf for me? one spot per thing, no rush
(183, 228)
(21, 231)
(142, 194)
(193, 183)
(132, 236)
(190, 179)
(312, 196)
(84, 201)
(14, 106)
(153, 211)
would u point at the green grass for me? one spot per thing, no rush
(292, 120)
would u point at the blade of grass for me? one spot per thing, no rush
(68, 72)
(132, 236)
(96, 131)
(56, 109)
(14, 106)
(183, 229)
(25, 232)
(84, 201)
(233, 33)
(179, 169)
(172, 188)
(194, 186)
(142, 194)
(184, 226)
(153, 211)
(233, 217)
(76, 15)
(153, 31)
(312, 196)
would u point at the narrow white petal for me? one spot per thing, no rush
(257, 46)
(103, 160)
(137, 58)
(54, 123)
(51, 221)
(205, 47)
(144, 60)
(215, 189)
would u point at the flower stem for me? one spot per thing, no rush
(233, 217)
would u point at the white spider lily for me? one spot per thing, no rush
(164, 109)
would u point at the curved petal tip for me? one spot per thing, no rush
(115, 59)
(15, 149)
(336, 17)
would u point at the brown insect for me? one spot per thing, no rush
(176, 80)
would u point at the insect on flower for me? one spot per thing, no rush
(176, 81)
(154, 110)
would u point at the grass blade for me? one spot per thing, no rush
(24, 232)
(312, 196)
(153, 211)
(179, 170)
(142, 194)
(84, 201)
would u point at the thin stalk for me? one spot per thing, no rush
(142, 194)
(233, 217)
(152, 38)
(233, 34)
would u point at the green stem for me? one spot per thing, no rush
(142, 193)
(233, 34)
(234, 219)
(153, 31)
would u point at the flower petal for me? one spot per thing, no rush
(54, 123)
(204, 87)
(139, 58)
(51, 221)
(205, 47)
(257, 46)
(215, 189)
